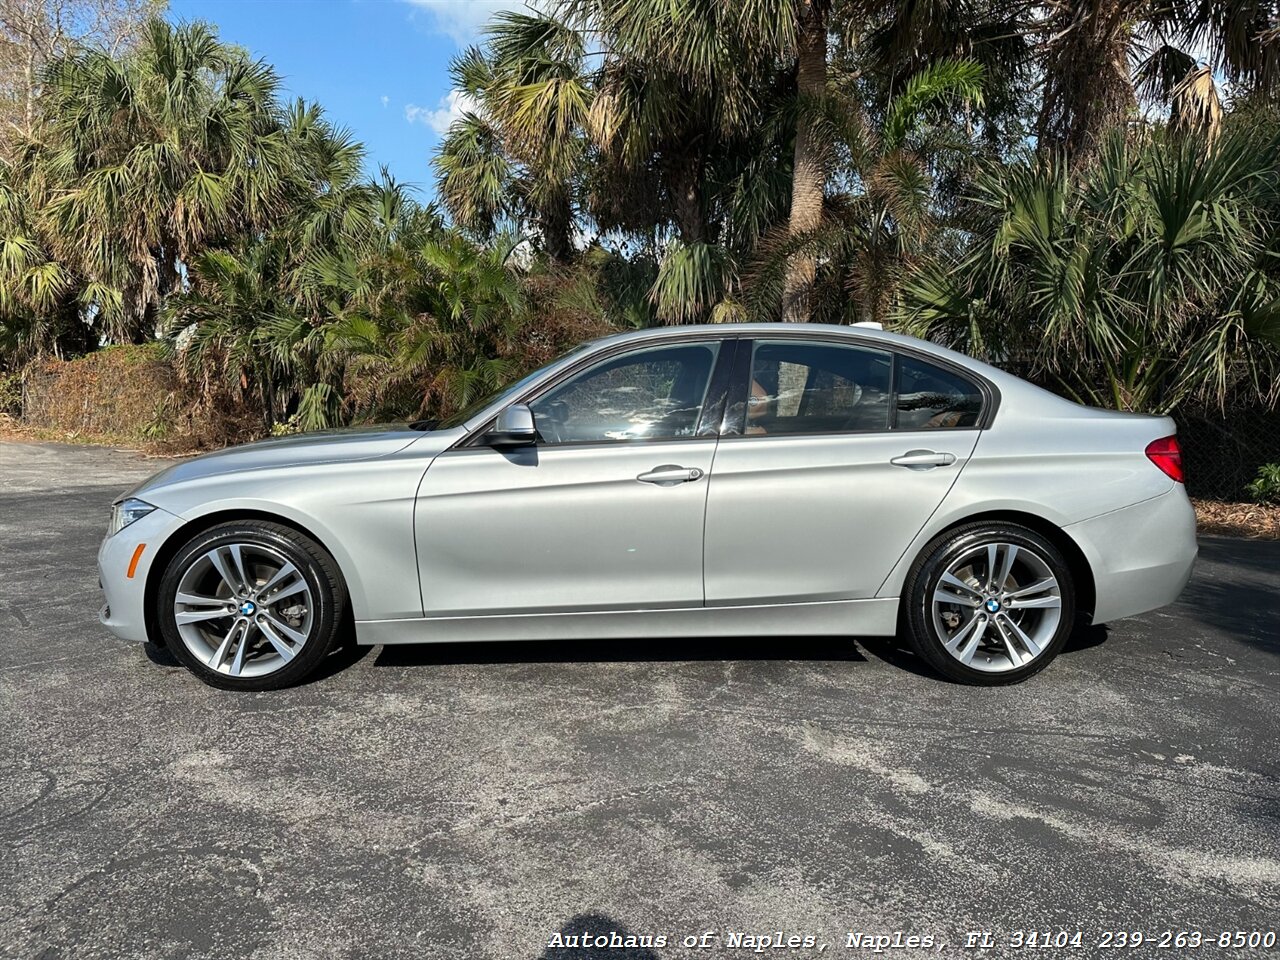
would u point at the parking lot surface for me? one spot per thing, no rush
(460, 801)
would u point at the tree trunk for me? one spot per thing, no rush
(808, 181)
(29, 108)
(266, 391)
(142, 329)
(72, 336)
(685, 185)
(557, 224)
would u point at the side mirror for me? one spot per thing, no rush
(513, 428)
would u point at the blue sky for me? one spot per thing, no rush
(378, 67)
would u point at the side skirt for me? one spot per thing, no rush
(876, 617)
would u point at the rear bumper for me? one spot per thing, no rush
(1141, 555)
(124, 611)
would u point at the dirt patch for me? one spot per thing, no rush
(16, 431)
(1254, 521)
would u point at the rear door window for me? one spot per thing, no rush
(929, 397)
(799, 386)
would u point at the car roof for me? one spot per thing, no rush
(740, 330)
(866, 334)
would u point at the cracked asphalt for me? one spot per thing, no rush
(461, 801)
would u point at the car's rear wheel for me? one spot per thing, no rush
(989, 603)
(251, 605)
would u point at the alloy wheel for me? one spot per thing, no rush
(243, 609)
(996, 607)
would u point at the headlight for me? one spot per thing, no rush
(125, 512)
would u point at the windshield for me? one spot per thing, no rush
(465, 414)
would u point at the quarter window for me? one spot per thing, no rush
(814, 387)
(931, 398)
(655, 394)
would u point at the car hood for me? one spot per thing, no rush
(323, 446)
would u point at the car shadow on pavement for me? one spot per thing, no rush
(1236, 589)
(891, 650)
(343, 655)
(594, 936)
(896, 652)
(1086, 637)
(650, 649)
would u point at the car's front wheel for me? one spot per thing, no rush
(989, 603)
(250, 605)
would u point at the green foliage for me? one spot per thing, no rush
(1139, 283)
(622, 163)
(958, 80)
(1265, 488)
(11, 394)
(690, 280)
(139, 162)
(163, 419)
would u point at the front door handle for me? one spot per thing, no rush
(923, 459)
(669, 474)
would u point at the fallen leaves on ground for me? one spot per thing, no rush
(1257, 521)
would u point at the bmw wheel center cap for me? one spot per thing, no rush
(248, 608)
(992, 605)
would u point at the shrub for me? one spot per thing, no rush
(1266, 486)
(11, 395)
(115, 391)
(125, 393)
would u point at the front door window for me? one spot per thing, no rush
(655, 394)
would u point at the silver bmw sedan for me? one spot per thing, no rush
(731, 480)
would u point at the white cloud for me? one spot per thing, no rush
(385, 100)
(463, 20)
(452, 106)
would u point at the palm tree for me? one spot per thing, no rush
(525, 140)
(906, 37)
(139, 163)
(809, 167)
(733, 49)
(1146, 283)
(1101, 56)
(39, 303)
(884, 213)
(284, 311)
(227, 326)
(474, 175)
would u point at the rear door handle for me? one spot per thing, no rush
(669, 474)
(923, 459)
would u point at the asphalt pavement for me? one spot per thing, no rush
(499, 800)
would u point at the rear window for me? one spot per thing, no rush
(932, 398)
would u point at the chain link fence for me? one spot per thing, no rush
(1222, 451)
(119, 391)
(126, 394)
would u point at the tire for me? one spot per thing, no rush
(977, 637)
(290, 620)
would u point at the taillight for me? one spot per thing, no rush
(1167, 455)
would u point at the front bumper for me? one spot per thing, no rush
(1141, 555)
(124, 611)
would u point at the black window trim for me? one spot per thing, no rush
(736, 348)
